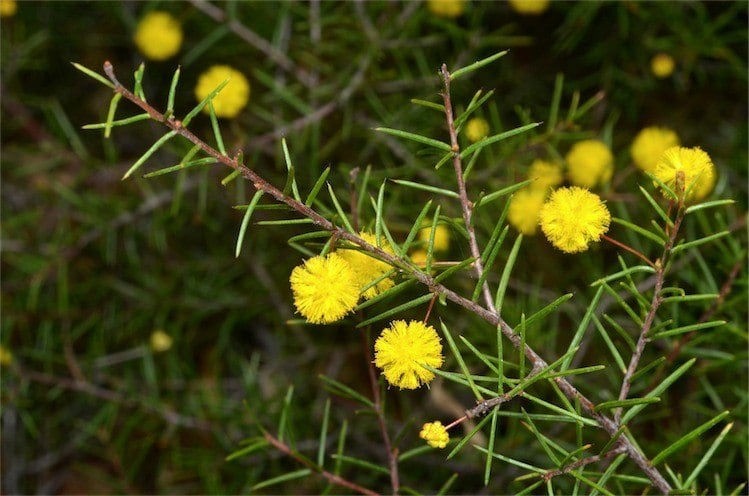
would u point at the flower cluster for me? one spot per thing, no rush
(476, 129)
(327, 288)
(158, 36)
(160, 341)
(529, 7)
(662, 65)
(403, 350)
(589, 163)
(693, 165)
(8, 8)
(232, 98)
(435, 434)
(573, 218)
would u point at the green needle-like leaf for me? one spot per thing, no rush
(93, 74)
(476, 65)
(687, 438)
(440, 145)
(246, 221)
(151, 151)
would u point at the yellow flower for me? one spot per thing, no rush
(8, 8)
(546, 175)
(573, 217)
(158, 35)
(160, 341)
(525, 207)
(6, 357)
(435, 434)
(403, 349)
(589, 163)
(367, 269)
(476, 129)
(419, 257)
(662, 65)
(446, 8)
(694, 163)
(529, 7)
(649, 145)
(232, 98)
(441, 237)
(325, 288)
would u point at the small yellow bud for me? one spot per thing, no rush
(160, 341)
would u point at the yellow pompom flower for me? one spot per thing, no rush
(160, 341)
(158, 35)
(525, 207)
(232, 98)
(368, 269)
(662, 65)
(476, 129)
(649, 145)
(573, 218)
(449, 9)
(694, 163)
(6, 357)
(325, 288)
(8, 8)
(529, 7)
(435, 434)
(589, 163)
(441, 237)
(546, 175)
(403, 349)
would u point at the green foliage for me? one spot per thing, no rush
(248, 399)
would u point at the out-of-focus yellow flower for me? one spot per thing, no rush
(441, 237)
(546, 175)
(403, 349)
(529, 7)
(325, 288)
(158, 35)
(6, 357)
(525, 207)
(696, 166)
(435, 434)
(449, 9)
(573, 218)
(8, 8)
(649, 145)
(589, 163)
(160, 341)
(419, 257)
(476, 129)
(232, 98)
(662, 65)
(368, 269)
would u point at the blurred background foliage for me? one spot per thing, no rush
(92, 265)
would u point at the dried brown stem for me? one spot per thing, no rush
(332, 478)
(465, 203)
(629, 249)
(489, 316)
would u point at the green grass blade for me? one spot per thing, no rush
(490, 447)
(707, 455)
(504, 280)
(687, 438)
(323, 434)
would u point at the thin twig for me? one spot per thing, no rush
(643, 339)
(392, 453)
(332, 478)
(629, 249)
(465, 203)
(489, 316)
(583, 462)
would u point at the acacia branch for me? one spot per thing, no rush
(465, 203)
(427, 280)
(582, 462)
(660, 275)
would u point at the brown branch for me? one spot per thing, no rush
(332, 478)
(629, 249)
(465, 203)
(582, 462)
(643, 339)
(489, 316)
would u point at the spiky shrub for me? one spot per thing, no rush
(366, 268)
